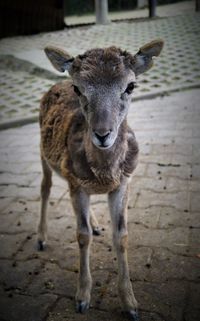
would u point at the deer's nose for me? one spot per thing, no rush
(102, 137)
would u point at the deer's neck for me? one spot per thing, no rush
(108, 159)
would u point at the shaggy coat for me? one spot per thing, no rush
(85, 138)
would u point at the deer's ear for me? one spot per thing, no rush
(60, 59)
(143, 59)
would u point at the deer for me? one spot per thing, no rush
(85, 139)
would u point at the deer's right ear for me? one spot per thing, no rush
(60, 59)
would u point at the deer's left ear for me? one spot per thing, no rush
(143, 59)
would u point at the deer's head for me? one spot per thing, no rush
(104, 81)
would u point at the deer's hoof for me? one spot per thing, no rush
(132, 315)
(96, 231)
(41, 245)
(82, 306)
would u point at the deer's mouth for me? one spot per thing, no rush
(103, 146)
(105, 143)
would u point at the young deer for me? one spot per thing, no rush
(85, 138)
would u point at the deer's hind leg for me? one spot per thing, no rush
(94, 224)
(45, 191)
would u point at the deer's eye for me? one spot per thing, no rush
(76, 90)
(130, 87)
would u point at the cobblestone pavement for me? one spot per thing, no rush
(164, 239)
(177, 68)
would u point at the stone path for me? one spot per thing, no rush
(164, 239)
(177, 68)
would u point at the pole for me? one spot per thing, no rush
(152, 8)
(197, 6)
(101, 8)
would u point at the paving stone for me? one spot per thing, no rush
(5, 142)
(194, 296)
(51, 279)
(144, 217)
(170, 217)
(175, 184)
(194, 236)
(12, 168)
(4, 204)
(195, 202)
(21, 205)
(191, 315)
(101, 279)
(62, 229)
(19, 180)
(182, 159)
(10, 243)
(175, 238)
(195, 159)
(155, 158)
(25, 308)
(20, 95)
(33, 168)
(166, 265)
(148, 183)
(66, 255)
(140, 170)
(179, 200)
(32, 193)
(182, 172)
(65, 308)
(194, 186)
(177, 149)
(151, 316)
(141, 258)
(22, 140)
(165, 298)
(16, 275)
(16, 225)
(103, 255)
(26, 220)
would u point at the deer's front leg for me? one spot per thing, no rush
(80, 201)
(118, 205)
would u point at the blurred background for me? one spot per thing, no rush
(29, 17)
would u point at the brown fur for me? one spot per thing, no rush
(95, 64)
